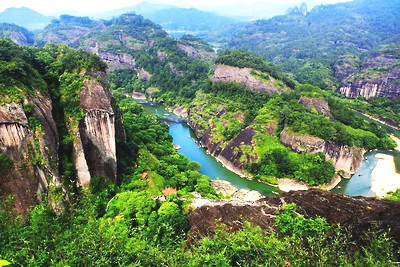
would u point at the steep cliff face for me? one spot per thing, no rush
(247, 77)
(33, 152)
(231, 153)
(345, 158)
(379, 75)
(95, 147)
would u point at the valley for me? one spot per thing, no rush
(123, 144)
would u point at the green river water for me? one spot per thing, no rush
(184, 137)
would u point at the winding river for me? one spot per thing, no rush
(184, 137)
(358, 185)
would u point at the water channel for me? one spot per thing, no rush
(358, 185)
(184, 137)
(360, 182)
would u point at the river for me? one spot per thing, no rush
(360, 182)
(358, 185)
(184, 137)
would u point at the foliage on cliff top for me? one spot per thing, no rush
(17, 69)
(243, 59)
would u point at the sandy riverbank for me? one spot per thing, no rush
(286, 185)
(384, 177)
(397, 140)
(138, 95)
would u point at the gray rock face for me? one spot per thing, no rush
(243, 75)
(33, 153)
(96, 147)
(319, 104)
(33, 148)
(379, 75)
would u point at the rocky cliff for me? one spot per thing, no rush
(97, 132)
(318, 104)
(29, 138)
(345, 158)
(231, 154)
(358, 214)
(378, 75)
(32, 150)
(249, 78)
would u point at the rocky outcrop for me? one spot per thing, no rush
(379, 75)
(225, 73)
(359, 215)
(32, 151)
(319, 104)
(29, 139)
(197, 53)
(230, 155)
(96, 147)
(228, 190)
(344, 158)
(113, 60)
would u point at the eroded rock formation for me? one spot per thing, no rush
(30, 140)
(379, 75)
(33, 153)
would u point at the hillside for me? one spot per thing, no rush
(26, 18)
(16, 34)
(133, 43)
(309, 45)
(256, 120)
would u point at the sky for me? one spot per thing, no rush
(93, 6)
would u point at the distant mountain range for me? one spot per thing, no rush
(171, 18)
(25, 17)
(175, 19)
(308, 44)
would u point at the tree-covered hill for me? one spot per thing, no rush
(309, 45)
(137, 45)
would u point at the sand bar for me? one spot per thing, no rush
(286, 185)
(384, 177)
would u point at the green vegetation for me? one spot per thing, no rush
(309, 46)
(148, 149)
(5, 162)
(136, 230)
(378, 107)
(244, 59)
(228, 109)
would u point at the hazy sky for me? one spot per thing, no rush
(92, 6)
